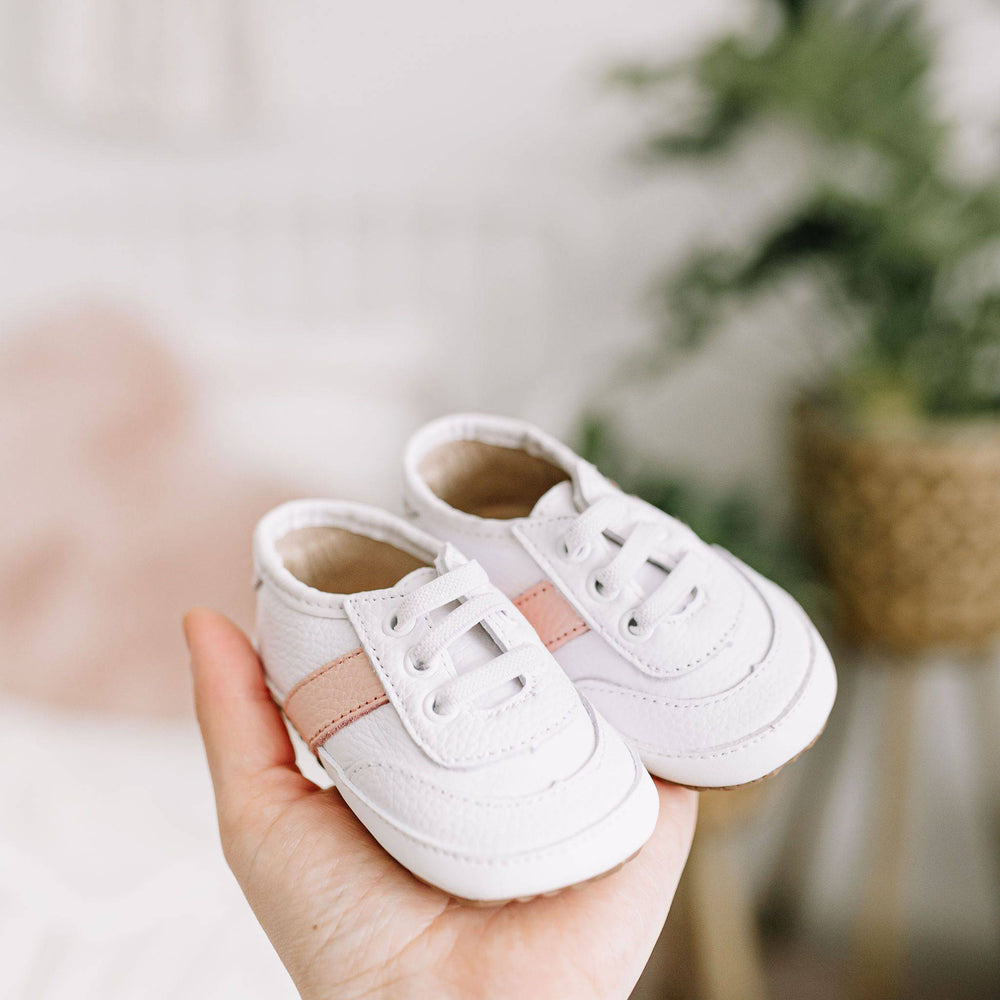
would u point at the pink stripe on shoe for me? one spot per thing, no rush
(550, 615)
(334, 696)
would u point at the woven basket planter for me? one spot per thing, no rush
(906, 526)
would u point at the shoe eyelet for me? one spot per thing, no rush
(414, 666)
(629, 628)
(576, 555)
(598, 590)
(432, 708)
(692, 605)
(391, 625)
(695, 601)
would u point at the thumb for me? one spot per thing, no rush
(245, 739)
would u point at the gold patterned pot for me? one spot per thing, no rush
(906, 524)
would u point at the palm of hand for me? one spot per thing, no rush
(348, 921)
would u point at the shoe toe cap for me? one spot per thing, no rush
(760, 701)
(470, 813)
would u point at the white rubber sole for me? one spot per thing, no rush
(595, 851)
(762, 753)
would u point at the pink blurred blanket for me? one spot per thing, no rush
(114, 517)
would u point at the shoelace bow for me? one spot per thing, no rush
(673, 598)
(458, 585)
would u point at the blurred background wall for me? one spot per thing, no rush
(381, 172)
(337, 221)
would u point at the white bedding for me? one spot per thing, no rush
(112, 882)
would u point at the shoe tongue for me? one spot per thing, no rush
(559, 501)
(569, 498)
(574, 495)
(589, 485)
(417, 578)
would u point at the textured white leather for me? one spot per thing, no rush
(518, 793)
(293, 643)
(720, 693)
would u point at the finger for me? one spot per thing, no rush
(629, 907)
(245, 738)
(656, 870)
(671, 840)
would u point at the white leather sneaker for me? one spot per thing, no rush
(714, 674)
(446, 725)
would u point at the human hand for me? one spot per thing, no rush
(348, 921)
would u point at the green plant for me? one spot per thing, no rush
(903, 249)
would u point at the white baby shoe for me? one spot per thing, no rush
(714, 674)
(446, 725)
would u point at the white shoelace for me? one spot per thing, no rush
(458, 585)
(676, 596)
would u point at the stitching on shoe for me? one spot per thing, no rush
(764, 667)
(598, 829)
(769, 730)
(330, 726)
(575, 630)
(739, 748)
(565, 787)
(321, 735)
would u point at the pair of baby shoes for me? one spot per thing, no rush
(489, 682)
